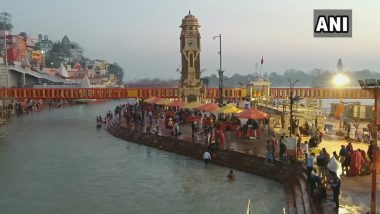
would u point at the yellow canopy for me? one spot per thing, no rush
(192, 105)
(164, 102)
(229, 109)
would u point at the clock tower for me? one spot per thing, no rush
(191, 87)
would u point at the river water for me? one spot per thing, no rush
(56, 161)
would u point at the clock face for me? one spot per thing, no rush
(190, 43)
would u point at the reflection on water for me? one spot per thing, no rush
(57, 162)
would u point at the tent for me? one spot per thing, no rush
(253, 114)
(163, 102)
(229, 109)
(208, 107)
(85, 82)
(176, 103)
(152, 100)
(192, 105)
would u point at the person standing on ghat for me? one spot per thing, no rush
(306, 149)
(274, 143)
(335, 186)
(310, 164)
(269, 148)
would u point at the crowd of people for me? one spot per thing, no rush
(322, 174)
(168, 121)
(18, 108)
(322, 168)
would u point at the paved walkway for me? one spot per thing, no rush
(355, 191)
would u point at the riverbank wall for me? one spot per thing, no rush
(291, 176)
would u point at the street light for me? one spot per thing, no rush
(340, 80)
(374, 85)
(291, 104)
(220, 71)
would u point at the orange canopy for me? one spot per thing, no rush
(176, 103)
(152, 100)
(252, 114)
(208, 107)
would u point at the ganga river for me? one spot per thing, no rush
(56, 161)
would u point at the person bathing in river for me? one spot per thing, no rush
(206, 157)
(231, 175)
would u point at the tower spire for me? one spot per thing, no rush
(189, 12)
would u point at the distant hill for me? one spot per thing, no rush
(314, 78)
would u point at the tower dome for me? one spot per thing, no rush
(190, 20)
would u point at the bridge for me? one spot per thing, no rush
(18, 76)
(323, 93)
(212, 93)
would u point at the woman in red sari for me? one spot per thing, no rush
(221, 138)
(356, 163)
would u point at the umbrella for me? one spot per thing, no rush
(152, 100)
(176, 103)
(253, 114)
(163, 102)
(192, 105)
(229, 109)
(208, 107)
(316, 151)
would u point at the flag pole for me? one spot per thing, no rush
(261, 66)
(255, 71)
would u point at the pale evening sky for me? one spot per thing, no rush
(143, 36)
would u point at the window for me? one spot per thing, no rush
(191, 60)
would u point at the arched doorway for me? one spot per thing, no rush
(191, 98)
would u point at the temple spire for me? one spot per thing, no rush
(189, 12)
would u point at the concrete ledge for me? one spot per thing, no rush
(291, 176)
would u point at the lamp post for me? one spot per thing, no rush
(291, 104)
(373, 84)
(220, 71)
(339, 81)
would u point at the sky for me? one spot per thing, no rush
(143, 35)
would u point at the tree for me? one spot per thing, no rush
(24, 34)
(116, 70)
(61, 49)
(8, 26)
(59, 54)
(205, 81)
(5, 21)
